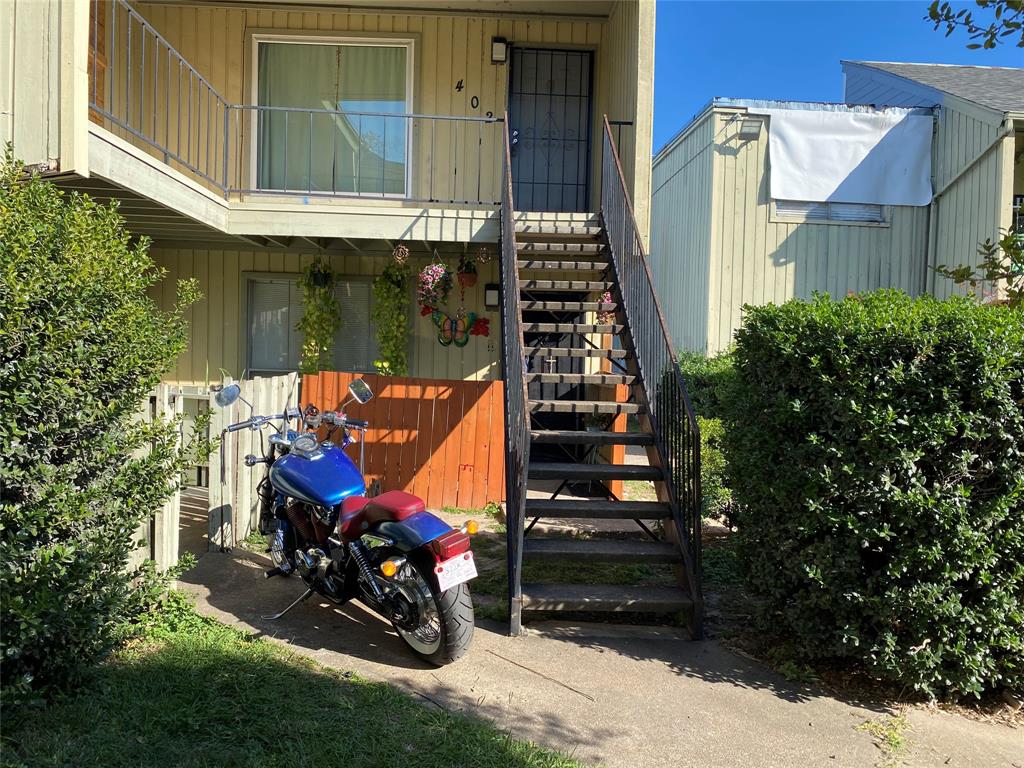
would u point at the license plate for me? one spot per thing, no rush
(453, 572)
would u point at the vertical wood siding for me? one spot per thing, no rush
(681, 234)
(30, 78)
(441, 440)
(975, 206)
(754, 259)
(217, 323)
(448, 49)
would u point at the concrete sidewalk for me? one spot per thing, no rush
(608, 695)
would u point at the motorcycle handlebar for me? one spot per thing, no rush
(259, 421)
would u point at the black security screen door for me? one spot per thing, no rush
(549, 112)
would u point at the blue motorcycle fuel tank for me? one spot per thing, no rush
(325, 477)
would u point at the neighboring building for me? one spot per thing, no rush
(244, 138)
(720, 240)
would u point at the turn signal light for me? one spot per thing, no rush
(471, 527)
(389, 568)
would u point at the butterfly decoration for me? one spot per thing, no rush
(457, 330)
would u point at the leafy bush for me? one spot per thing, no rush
(707, 379)
(876, 452)
(80, 345)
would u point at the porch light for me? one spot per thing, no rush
(491, 296)
(499, 50)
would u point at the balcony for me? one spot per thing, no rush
(147, 94)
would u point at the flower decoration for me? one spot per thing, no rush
(435, 284)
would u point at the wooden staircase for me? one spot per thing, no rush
(571, 356)
(575, 368)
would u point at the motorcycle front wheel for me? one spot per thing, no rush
(445, 620)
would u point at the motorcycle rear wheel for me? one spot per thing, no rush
(446, 618)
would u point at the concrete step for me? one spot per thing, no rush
(601, 550)
(604, 597)
(593, 509)
(557, 470)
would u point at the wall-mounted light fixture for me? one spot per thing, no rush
(750, 127)
(499, 50)
(492, 297)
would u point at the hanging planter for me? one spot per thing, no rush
(321, 317)
(390, 315)
(320, 274)
(435, 283)
(467, 273)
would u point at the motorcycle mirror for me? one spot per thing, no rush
(361, 391)
(228, 395)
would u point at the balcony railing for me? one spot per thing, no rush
(141, 88)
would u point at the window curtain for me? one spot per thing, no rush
(336, 151)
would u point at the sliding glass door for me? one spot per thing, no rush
(329, 116)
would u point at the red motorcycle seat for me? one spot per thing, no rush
(393, 505)
(358, 512)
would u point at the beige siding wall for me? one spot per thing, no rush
(754, 258)
(628, 71)
(973, 207)
(43, 49)
(681, 233)
(218, 322)
(449, 48)
(757, 260)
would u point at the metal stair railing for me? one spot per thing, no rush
(517, 417)
(673, 420)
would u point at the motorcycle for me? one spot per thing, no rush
(388, 552)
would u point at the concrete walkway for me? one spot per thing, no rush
(609, 695)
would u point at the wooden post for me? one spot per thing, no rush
(221, 471)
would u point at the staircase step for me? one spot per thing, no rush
(604, 597)
(606, 379)
(566, 266)
(572, 328)
(561, 232)
(611, 354)
(567, 306)
(563, 250)
(566, 285)
(578, 437)
(583, 406)
(592, 509)
(606, 550)
(556, 470)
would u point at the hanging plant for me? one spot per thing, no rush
(321, 317)
(435, 283)
(390, 316)
(467, 273)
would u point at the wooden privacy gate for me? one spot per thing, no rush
(442, 440)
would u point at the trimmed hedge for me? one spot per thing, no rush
(707, 379)
(876, 451)
(81, 344)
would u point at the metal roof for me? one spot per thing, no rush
(998, 88)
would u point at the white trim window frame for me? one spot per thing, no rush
(290, 281)
(847, 214)
(408, 43)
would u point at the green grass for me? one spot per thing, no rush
(193, 692)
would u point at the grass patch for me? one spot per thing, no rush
(638, 490)
(888, 734)
(193, 692)
(254, 542)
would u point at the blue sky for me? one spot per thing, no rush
(787, 50)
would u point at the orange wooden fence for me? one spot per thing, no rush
(442, 440)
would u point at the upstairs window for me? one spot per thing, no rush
(323, 116)
(837, 213)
